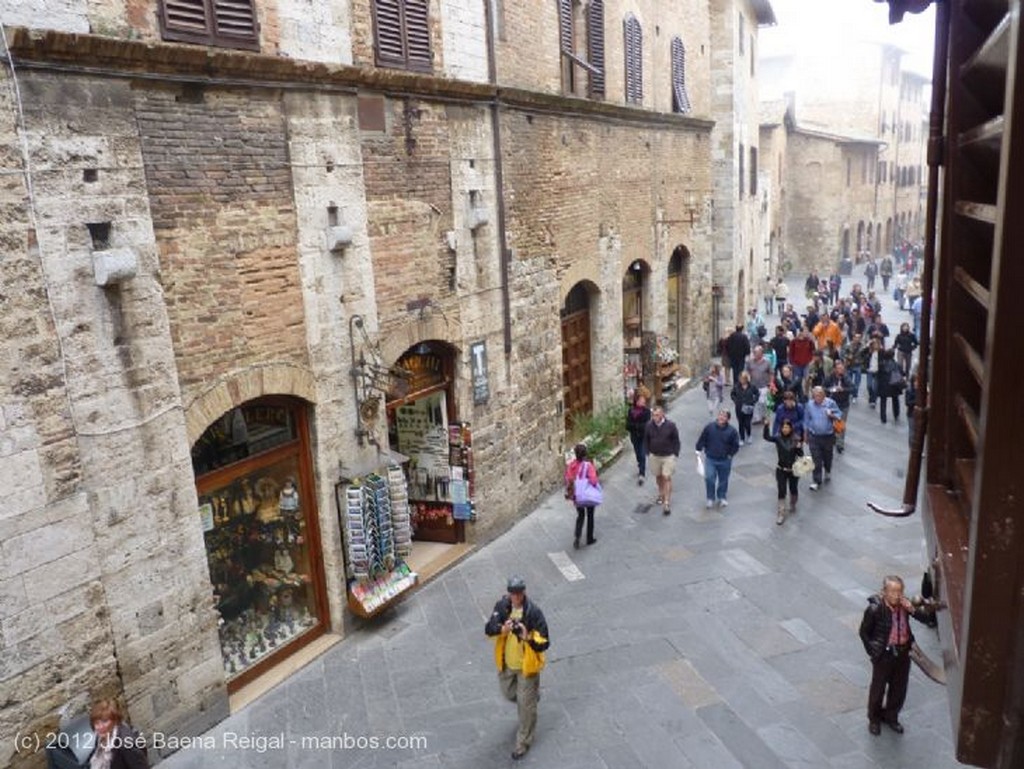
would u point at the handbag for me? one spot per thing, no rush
(839, 425)
(586, 494)
(700, 465)
(802, 466)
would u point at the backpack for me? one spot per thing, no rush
(895, 376)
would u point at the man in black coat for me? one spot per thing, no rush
(737, 348)
(887, 638)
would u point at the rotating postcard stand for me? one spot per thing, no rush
(376, 529)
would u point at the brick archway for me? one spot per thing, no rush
(241, 385)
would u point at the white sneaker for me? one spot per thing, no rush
(709, 504)
(723, 502)
(749, 441)
(814, 487)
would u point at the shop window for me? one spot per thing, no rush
(257, 511)
(634, 47)
(680, 99)
(402, 29)
(223, 23)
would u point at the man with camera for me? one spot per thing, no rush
(520, 635)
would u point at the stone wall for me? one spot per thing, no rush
(105, 583)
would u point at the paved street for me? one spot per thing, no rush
(703, 639)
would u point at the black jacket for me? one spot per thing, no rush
(905, 341)
(788, 449)
(745, 397)
(888, 371)
(533, 618)
(780, 346)
(636, 420)
(877, 624)
(737, 346)
(839, 389)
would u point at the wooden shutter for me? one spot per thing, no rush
(390, 37)
(595, 48)
(680, 101)
(634, 60)
(235, 19)
(402, 30)
(565, 35)
(224, 23)
(417, 35)
(973, 506)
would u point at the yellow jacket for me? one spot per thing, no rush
(537, 635)
(533, 661)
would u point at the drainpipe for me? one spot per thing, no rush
(499, 179)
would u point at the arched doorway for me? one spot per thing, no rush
(888, 235)
(678, 284)
(878, 239)
(577, 379)
(637, 367)
(844, 243)
(258, 511)
(869, 240)
(860, 236)
(421, 409)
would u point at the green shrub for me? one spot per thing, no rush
(602, 430)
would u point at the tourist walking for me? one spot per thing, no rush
(801, 352)
(520, 635)
(870, 271)
(661, 438)
(761, 371)
(820, 414)
(737, 347)
(787, 448)
(719, 441)
(781, 295)
(839, 387)
(636, 421)
(885, 270)
(745, 396)
(871, 357)
(905, 343)
(581, 469)
(714, 387)
(891, 382)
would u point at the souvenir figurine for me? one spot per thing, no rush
(268, 507)
(289, 500)
(248, 498)
(283, 560)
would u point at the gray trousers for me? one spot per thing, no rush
(524, 691)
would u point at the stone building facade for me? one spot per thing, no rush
(276, 206)
(862, 99)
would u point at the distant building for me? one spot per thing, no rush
(854, 155)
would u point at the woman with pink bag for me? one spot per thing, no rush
(584, 490)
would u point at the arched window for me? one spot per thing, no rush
(634, 50)
(680, 100)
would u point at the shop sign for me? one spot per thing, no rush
(478, 368)
(425, 371)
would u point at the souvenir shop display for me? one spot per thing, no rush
(259, 565)
(377, 531)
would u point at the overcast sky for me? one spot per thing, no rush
(826, 24)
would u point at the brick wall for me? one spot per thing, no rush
(220, 191)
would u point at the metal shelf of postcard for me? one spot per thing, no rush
(377, 531)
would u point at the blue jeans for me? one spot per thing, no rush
(855, 374)
(798, 371)
(641, 453)
(872, 386)
(716, 473)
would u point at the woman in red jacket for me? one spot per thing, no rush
(581, 467)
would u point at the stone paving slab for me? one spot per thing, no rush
(705, 639)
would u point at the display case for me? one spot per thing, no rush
(256, 509)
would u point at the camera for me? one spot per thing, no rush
(517, 628)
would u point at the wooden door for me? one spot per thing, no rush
(577, 393)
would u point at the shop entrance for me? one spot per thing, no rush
(422, 426)
(257, 507)
(577, 390)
